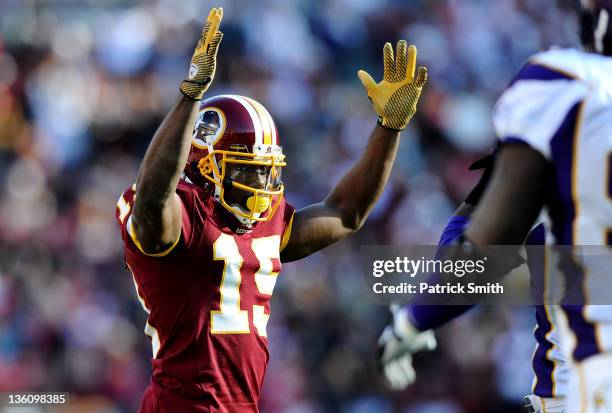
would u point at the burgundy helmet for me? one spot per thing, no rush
(233, 129)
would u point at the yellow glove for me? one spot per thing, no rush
(395, 98)
(204, 60)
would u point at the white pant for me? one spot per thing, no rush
(590, 386)
(590, 382)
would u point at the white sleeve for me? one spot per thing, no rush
(532, 111)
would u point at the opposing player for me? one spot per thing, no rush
(554, 121)
(413, 325)
(206, 227)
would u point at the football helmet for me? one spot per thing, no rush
(236, 133)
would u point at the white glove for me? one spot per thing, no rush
(397, 343)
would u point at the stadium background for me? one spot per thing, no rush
(83, 86)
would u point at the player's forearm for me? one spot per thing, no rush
(167, 154)
(356, 193)
(395, 100)
(168, 151)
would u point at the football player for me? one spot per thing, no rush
(413, 325)
(553, 122)
(206, 227)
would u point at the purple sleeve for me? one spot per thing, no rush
(425, 317)
(453, 230)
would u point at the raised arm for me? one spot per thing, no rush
(346, 208)
(156, 219)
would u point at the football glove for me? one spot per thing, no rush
(396, 345)
(204, 60)
(395, 98)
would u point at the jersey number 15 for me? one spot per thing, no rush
(231, 319)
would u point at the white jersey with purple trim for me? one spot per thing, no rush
(560, 104)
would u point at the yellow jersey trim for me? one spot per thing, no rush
(130, 230)
(287, 233)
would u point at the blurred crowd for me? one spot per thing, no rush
(83, 87)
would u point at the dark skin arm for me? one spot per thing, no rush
(347, 206)
(156, 218)
(513, 199)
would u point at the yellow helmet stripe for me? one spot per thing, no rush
(266, 121)
(272, 125)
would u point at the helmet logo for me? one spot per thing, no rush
(209, 127)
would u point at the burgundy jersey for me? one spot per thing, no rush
(208, 300)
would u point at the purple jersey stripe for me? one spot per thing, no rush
(543, 367)
(563, 212)
(534, 71)
(584, 330)
(561, 205)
